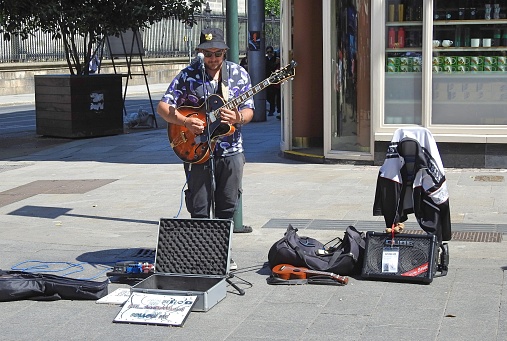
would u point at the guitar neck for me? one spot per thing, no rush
(340, 279)
(235, 102)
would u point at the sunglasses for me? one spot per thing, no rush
(217, 54)
(269, 51)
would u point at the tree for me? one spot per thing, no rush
(80, 24)
(272, 6)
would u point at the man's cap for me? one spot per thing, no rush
(212, 38)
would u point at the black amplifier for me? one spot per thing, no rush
(404, 258)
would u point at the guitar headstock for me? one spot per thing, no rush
(289, 71)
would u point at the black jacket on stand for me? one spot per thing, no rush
(414, 183)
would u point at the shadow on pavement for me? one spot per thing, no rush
(22, 144)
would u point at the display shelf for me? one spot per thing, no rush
(405, 49)
(470, 22)
(403, 23)
(447, 96)
(403, 101)
(465, 76)
(468, 49)
(401, 75)
(480, 101)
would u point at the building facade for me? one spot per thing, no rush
(366, 68)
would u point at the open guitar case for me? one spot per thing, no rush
(192, 258)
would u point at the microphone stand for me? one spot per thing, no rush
(211, 160)
(208, 132)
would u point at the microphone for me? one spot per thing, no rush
(200, 58)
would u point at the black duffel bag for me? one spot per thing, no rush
(343, 256)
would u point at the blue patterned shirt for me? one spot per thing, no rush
(187, 89)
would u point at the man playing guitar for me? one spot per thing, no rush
(227, 80)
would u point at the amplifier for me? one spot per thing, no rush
(407, 258)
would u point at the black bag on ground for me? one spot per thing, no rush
(19, 285)
(344, 257)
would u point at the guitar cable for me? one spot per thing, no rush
(182, 194)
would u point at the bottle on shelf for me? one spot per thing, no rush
(418, 10)
(401, 13)
(457, 36)
(448, 14)
(504, 38)
(497, 37)
(496, 11)
(461, 12)
(401, 37)
(466, 37)
(473, 11)
(410, 40)
(409, 11)
(487, 11)
(392, 38)
(391, 12)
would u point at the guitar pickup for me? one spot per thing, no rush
(201, 138)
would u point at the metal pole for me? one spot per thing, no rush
(188, 38)
(232, 30)
(15, 49)
(256, 54)
(272, 38)
(207, 15)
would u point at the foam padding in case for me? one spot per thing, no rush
(193, 246)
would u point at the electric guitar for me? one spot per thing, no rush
(286, 271)
(193, 148)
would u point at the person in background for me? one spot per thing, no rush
(189, 89)
(273, 91)
(244, 62)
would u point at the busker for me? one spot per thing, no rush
(188, 88)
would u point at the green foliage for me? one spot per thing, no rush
(90, 19)
(272, 6)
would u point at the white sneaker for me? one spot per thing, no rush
(232, 265)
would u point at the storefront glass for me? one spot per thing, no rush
(403, 78)
(469, 62)
(351, 76)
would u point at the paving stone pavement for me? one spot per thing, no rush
(112, 191)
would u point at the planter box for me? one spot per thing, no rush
(78, 106)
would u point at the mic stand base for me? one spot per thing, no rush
(234, 285)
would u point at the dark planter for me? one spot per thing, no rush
(78, 106)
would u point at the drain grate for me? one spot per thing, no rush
(470, 236)
(464, 232)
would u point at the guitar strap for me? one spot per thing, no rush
(225, 82)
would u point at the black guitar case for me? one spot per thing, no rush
(19, 285)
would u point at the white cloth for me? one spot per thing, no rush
(428, 177)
